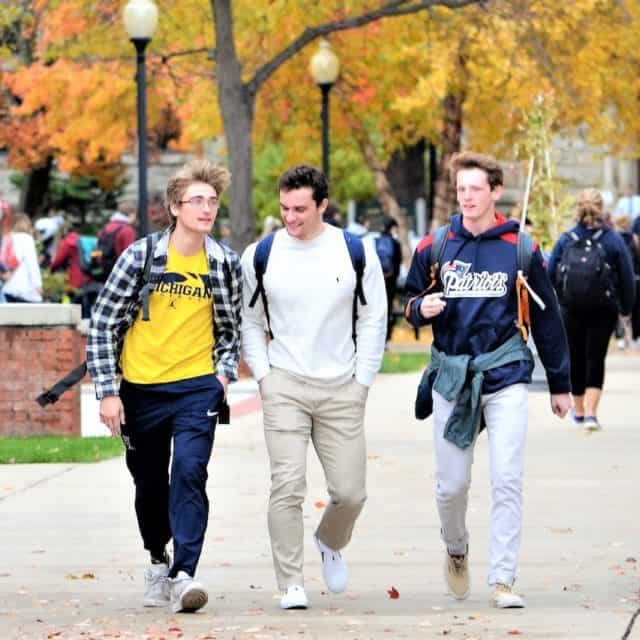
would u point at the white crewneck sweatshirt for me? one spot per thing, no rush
(309, 286)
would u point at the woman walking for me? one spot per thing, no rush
(593, 276)
(23, 281)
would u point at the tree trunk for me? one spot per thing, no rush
(236, 107)
(387, 197)
(34, 193)
(445, 201)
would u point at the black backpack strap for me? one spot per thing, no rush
(146, 276)
(260, 261)
(53, 394)
(524, 252)
(358, 261)
(440, 238)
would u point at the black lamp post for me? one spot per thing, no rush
(325, 67)
(141, 20)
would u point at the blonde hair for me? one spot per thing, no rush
(22, 223)
(590, 207)
(473, 160)
(197, 170)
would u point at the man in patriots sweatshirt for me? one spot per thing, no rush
(480, 367)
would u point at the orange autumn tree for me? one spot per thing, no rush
(246, 54)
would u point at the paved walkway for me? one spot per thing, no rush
(71, 562)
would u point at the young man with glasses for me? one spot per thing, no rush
(314, 374)
(176, 341)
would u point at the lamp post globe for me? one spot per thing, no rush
(325, 67)
(140, 20)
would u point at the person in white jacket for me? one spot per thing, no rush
(23, 281)
(314, 374)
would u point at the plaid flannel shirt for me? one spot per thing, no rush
(119, 302)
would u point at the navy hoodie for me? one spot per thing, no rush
(478, 277)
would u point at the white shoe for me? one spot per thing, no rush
(456, 575)
(156, 586)
(334, 568)
(591, 423)
(187, 594)
(635, 345)
(503, 597)
(294, 598)
(621, 343)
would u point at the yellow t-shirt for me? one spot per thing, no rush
(177, 342)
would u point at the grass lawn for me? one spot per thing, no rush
(58, 449)
(403, 362)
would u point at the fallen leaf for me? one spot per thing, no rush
(319, 505)
(88, 576)
(561, 530)
(174, 630)
(255, 586)
(631, 560)
(393, 593)
(515, 632)
(71, 576)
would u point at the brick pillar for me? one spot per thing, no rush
(39, 344)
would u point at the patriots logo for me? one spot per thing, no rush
(460, 282)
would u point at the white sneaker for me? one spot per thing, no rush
(635, 345)
(187, 594)
(294, 598)
(156, 586)
(503, 597)
(621, 343)
(456, 575)
(591, 423)
(334, 568)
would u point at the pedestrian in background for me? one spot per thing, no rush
(591, 269)
(22, 278)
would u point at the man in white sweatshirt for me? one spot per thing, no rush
(314, 373)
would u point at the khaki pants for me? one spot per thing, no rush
(296, 409)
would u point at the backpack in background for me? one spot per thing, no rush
(98, 255)
(86, 248)
(583, 279)
(385, 248)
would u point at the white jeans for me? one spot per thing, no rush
(506, 416)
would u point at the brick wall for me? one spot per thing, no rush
(37, 347)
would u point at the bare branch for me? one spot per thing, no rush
(387, 10)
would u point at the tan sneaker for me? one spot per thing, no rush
(503, 597)
(456, 575)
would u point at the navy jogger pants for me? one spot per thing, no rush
(171, 503)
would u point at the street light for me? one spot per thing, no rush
(140, 21)
(325, 67)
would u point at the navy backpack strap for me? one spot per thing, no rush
(524, 251)
(358, 261)
(260, 260)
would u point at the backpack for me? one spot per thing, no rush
(356, 253)
(386, 250)
(86, 248)
(583, 277)
(98, 260)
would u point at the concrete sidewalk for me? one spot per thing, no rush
(72, 561)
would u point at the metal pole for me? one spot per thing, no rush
(325, 88)
(141, 84)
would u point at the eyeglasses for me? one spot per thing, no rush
(199, 202)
